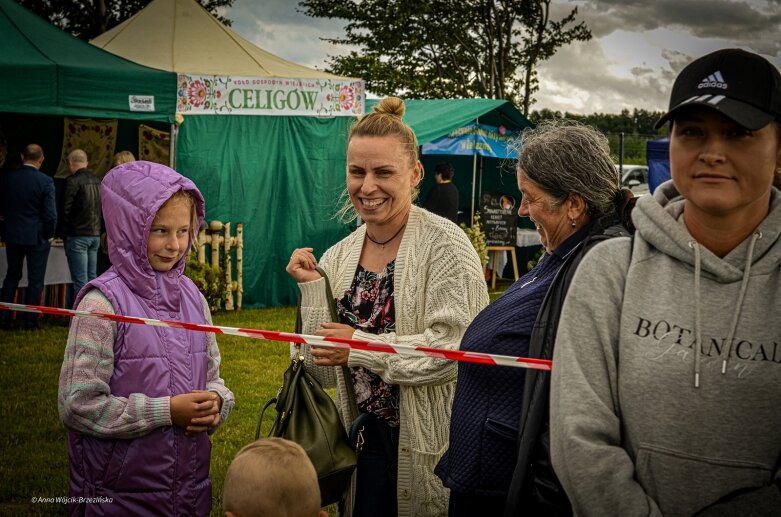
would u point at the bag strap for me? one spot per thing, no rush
(260, 418)
(346, 376)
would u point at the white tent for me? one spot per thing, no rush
(181, 36)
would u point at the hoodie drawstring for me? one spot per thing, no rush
(735, 317)
(741, 295)
(697, 336)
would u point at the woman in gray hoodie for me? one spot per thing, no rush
(667, 368)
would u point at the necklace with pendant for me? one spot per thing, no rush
(382, 244)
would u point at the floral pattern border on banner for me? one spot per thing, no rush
(222, 95)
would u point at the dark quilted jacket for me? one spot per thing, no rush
(535, 489)
(487, 404)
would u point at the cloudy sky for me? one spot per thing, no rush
(637, 48)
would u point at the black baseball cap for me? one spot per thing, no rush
(741, 85)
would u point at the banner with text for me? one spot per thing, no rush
(221, 95)
(473, 139)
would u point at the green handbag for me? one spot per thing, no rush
(307, 415)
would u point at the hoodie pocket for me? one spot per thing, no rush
(682, 483)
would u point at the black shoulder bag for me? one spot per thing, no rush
(307, 415)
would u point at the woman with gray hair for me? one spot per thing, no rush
(571, 193)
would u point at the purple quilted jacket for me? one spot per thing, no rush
(163, 472)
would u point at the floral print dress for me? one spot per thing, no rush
(368, 306)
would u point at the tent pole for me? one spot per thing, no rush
(172, 146)
(480, 184)
(474, 180)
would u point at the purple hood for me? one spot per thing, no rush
(132, 193)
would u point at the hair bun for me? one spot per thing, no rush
(391, 106)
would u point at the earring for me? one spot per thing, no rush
(573, 223)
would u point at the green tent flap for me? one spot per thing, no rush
(281, 177)
(434, 118)
(47, 71)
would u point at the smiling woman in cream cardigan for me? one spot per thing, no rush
(406, 276)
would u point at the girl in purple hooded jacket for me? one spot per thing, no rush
(139, 401)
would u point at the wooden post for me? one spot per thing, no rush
(202, 245)
(228, 266)
(496, 250)
(215, 227)
(239, 261)
(211, 237)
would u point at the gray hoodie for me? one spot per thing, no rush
(666, 388)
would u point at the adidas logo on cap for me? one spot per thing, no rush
(714, 80)
(743, 86)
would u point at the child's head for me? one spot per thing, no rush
(123, 157)
(272, 477)
(173, 231)
(152, 215)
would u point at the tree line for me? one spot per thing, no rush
(637, 127)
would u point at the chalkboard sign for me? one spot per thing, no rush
(498, 216)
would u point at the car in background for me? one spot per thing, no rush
(635, 178)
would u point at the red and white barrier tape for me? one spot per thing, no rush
(373, 346)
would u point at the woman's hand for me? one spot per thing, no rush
(302, 265)
(326, 356)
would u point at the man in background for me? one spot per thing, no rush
(28, 218)
(81, 220)
(443, 198)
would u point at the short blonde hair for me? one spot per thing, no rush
(271, 477)
(77, 156)
(123, 157)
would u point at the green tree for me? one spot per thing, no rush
(637, 127)
(448, 48)
(87, 19)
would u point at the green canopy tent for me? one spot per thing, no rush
(435, 118)
(47, 71)
(47, 74)
(475, 173)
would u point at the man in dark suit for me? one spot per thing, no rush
(28, 218)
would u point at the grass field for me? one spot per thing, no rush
(33, 454)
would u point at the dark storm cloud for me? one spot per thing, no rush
(582, 74)
(754, 25)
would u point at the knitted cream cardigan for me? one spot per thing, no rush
(438, 288)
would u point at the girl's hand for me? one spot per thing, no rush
(326, 356)
(187, 406)
(205, 423)
(202, 424)
(302, 265)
